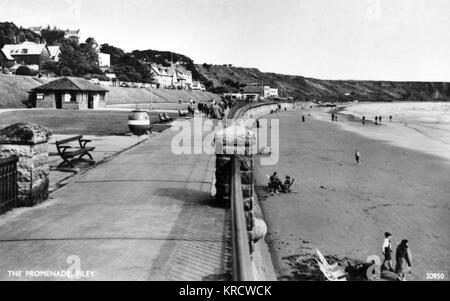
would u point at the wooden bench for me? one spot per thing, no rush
(68, 152)
(181, 114)
(163, 119)
(168, 118)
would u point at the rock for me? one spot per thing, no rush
(24, 133)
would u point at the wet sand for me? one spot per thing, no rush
(344, 209)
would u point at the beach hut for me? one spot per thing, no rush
(70, 93)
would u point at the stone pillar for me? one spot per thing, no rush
(30, 143)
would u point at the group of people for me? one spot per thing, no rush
(378, 119)
(275, 185)
(213, 109)
(403, 257)
(334, 117)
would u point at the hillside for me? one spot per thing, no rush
(231, 78)
(14, 93)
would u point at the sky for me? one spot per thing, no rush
(399, 40)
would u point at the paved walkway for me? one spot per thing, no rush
(145, 215)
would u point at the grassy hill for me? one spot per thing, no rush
(14, 92)
(231, 78)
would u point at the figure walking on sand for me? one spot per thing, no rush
(403, 260)
(358, 157)
(387, 252)
(364, 120)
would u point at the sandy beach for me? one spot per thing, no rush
(344, 209)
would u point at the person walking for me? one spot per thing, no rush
(303, 118)
(358, 157)
(376, 120)
(403, 260)
(379, 119)
(387, 252)
(364, 120)
(390, 118)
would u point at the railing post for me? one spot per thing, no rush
(29, 143)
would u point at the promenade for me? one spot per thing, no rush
(144, 215)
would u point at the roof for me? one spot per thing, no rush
(6, 55)
(70, 84)
(69, 32)
(26, 48)
(253, 90)
(36, 29)
(54, 50)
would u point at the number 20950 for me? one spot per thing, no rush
(436, 276)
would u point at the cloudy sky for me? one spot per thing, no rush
(328, 39)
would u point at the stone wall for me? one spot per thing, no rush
(48, 102)
(30, 143)
(262, 266)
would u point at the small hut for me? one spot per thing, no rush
(69, 93)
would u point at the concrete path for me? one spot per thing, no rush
(145, 215)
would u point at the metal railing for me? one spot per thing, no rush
(8, 183)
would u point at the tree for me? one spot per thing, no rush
(53, 36)
(66, 71)
(24, 70)
(123, 78)
(80, 58)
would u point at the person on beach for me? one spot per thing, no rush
(303, 118)
(390, 118)
(380, 118)
(364, 120)
(358, 157)
(274, 183)
(403, 260)
(387, 252)
(332, 117)
(376, 120)
(286, 188)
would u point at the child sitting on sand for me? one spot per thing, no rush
(288, 185)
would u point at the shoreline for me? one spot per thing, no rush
(344, 210)
(403, 132)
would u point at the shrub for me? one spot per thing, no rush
(66, 71)
(24, 70)
(123, 78)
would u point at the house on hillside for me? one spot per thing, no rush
(196, 86)
(270, 93)
(37, 30)
(6, 60)
(55, 51)
(69, 93)
(69, 34)
(175, 76)
(164, 77)
(104, 60)
(184, 77)
(253, 92)
(29, 54)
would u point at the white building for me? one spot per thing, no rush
(104, 60)
(196, 86)
(270, 92)
(72, 34)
